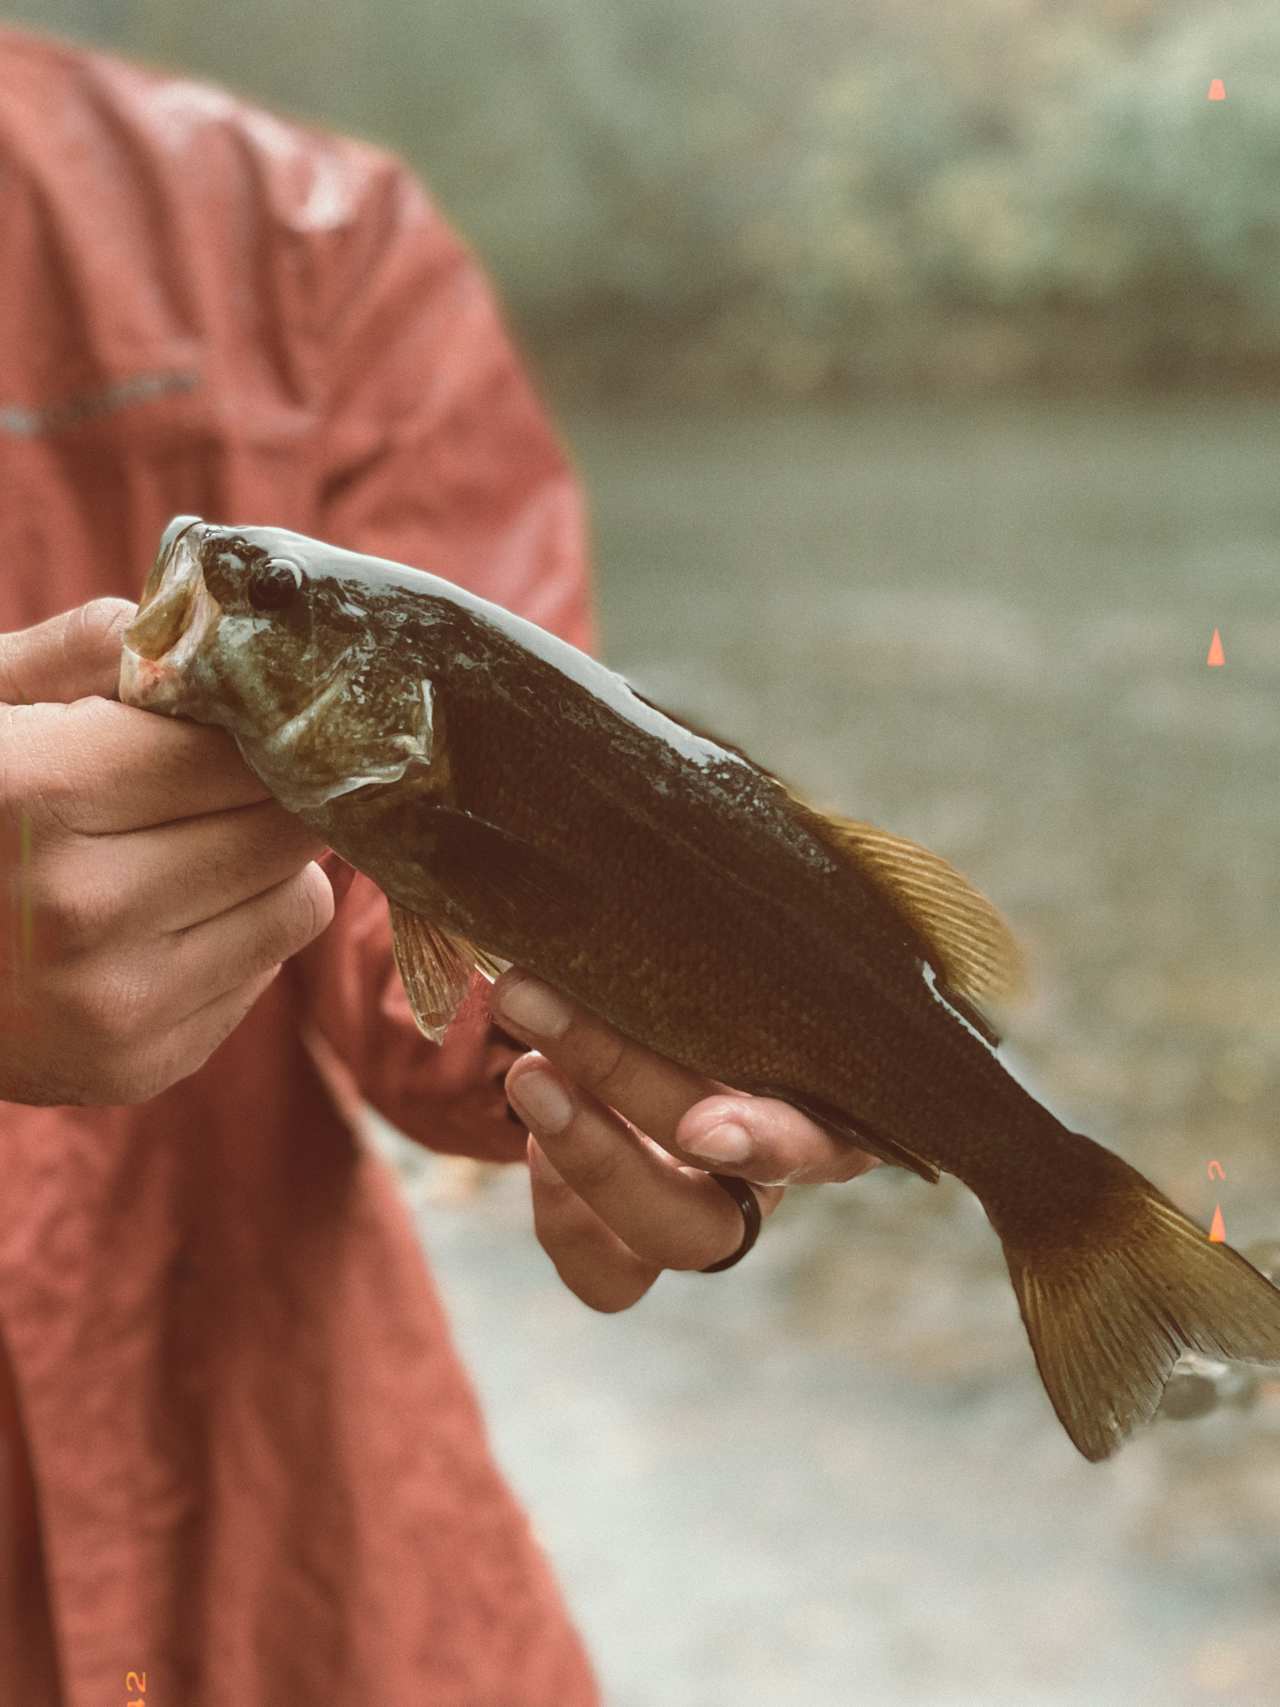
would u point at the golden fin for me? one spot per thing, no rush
(976, 953)
(1112, 1297)
(488, 965)
(434, 969)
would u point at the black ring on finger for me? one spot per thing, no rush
(752, 1219)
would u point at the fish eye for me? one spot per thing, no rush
(274, 584)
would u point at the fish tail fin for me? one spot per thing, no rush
(1116, 1285)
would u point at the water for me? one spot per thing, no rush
(831, 1476)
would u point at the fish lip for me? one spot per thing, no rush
(176, 615)
(177, 529)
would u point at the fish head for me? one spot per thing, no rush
(283, 642)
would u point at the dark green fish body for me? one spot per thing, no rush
(518, 803)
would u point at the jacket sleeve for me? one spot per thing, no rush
(435, 453)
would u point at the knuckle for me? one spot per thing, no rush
(713, 1249)
(602, 1060)
(566, 1229)
(30, 786)
(105, 1025)
(78, 915)
(592, 1170)
(114, 1010)
(123, 1087)
(665, 1251)
(600, 1289)
(55, 772)
(51, 798)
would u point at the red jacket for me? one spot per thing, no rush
(262, 1476)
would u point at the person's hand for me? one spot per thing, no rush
(150, 889)
(622, 1141)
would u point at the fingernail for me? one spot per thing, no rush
(727, 1142)
(541, 1100)
(535, 1007)
(540, 1166)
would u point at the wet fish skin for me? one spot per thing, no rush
(573, 876)
(518, 803)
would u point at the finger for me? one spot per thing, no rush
(589, 1257)
(222, 954)
(186, 1046)
(648, 1089)
(171, 879)
(667, 1214)
(96, 768)
(768, 1141)
(198, 868)
(69, 655)
(765, 1139)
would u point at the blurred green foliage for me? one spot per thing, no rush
(811, 195)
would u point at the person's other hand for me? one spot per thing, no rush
(622, 1141)
(150, 889)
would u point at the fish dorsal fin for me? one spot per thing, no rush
(435, 969)
(975, 952)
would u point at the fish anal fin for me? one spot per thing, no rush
(1112, 1295)
(854, 1129)
(973, 949)
(435, 968)
(501, 876)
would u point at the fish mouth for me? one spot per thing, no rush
(175, 618)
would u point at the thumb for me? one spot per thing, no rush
(67, 657)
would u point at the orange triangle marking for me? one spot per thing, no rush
(1216, 91)
(1218, 1231)
(1216, 655)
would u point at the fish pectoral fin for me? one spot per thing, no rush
(502, 877)
(972, 948)
(435, 969)
(854, 1130)
(489, 966)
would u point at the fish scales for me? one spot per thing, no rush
(516, 801)
(665, 879)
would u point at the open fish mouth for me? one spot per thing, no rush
(175, 617)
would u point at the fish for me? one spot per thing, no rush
(519, 803)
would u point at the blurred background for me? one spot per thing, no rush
(921, 365)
